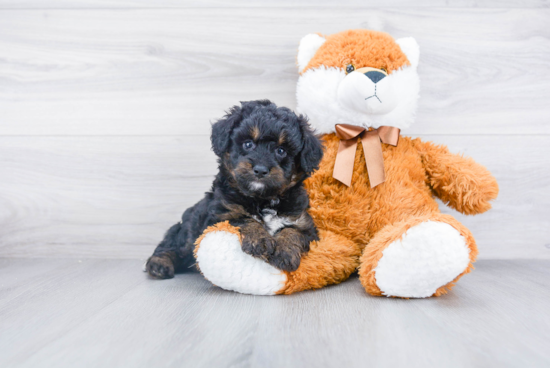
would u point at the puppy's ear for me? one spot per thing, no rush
(221, 130)
(312, 150)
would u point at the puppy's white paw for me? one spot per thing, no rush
(428, 256)
(222, 261)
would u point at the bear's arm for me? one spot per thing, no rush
(458, 181)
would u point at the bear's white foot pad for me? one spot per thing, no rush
(222, 262)
(428, 256)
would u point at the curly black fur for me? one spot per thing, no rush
(264, 153)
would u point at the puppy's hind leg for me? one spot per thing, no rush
(173, 254)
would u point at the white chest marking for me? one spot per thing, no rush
(256, 186)
(273, 222)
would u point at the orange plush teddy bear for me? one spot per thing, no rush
(373, 197)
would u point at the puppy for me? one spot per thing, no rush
(264, 154)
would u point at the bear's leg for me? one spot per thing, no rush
(329, 261)
(421, 257)
(221, 260)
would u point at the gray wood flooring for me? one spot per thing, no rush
(107, 313)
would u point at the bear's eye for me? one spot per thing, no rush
(249, 145)
(350, 68)
(384, 70)
(281, 152)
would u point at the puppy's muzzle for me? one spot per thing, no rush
(260, 171)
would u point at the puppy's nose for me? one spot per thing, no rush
(375, 76)
(260, 171)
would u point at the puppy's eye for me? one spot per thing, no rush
(281, 152)
(384, 70)
(350, 68)
(249, 145)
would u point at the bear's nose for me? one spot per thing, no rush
(375, 76)
(260, 171)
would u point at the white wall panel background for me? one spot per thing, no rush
(105, 109)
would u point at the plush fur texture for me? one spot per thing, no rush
(396, 228)
(265, 153)
(307, 49)
(330, 95)
(428, 255)
(359, 212)
(227, 266)
(365, 214)
(394, 234)
(378, 218)
(358, 47)
(329, 261)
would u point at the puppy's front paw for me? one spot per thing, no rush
(259, 247)
(160, 267)
(286, 259)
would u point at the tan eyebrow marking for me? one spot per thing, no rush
(255, 132)
(282, 138)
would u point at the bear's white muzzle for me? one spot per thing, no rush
(359, 93)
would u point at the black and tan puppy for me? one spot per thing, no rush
(265, 153)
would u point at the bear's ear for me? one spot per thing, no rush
(221, 130)
(410, 47)
(312, 150)
(308, 47)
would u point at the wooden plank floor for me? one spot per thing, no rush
(107, 313)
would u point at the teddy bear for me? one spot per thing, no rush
(373, 197)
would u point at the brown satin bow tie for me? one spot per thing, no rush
(343, 167)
